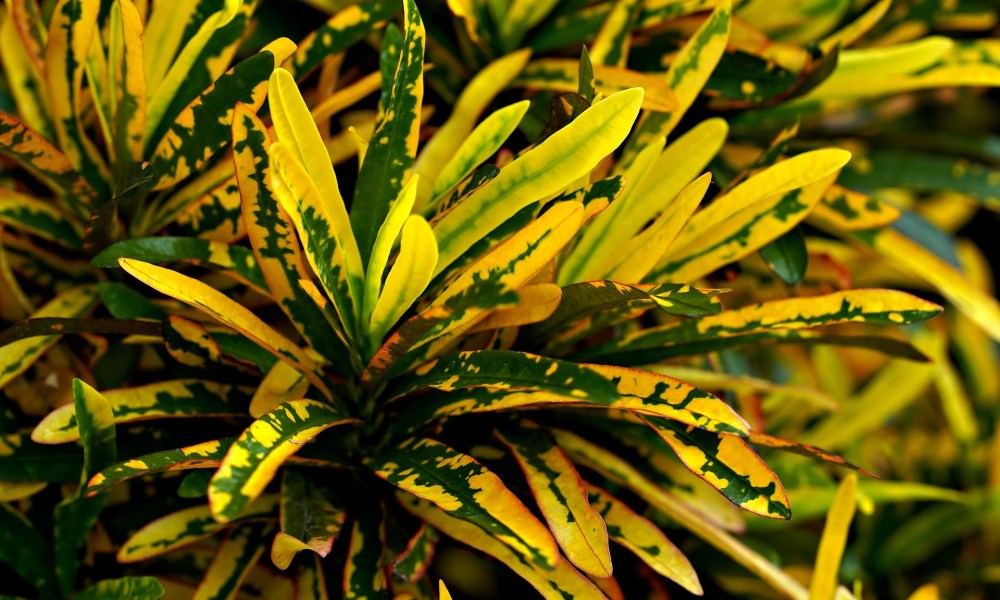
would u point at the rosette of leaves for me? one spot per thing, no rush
(464, 386)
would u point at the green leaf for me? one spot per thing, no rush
(134, 588)
(787, 256)
(393, 148)
(236, 259)
(587, 86)
(24, 549)
(465, 489)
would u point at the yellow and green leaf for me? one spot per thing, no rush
(202, 128)
(643, 538)
(185, 527)
(16, 357)
(274, 241)
(465, 489)
(774, 319)
(456, 149)
(225, 310)
(547, 169)
(561, 496)
(688, 72)
(71, 32)
(47, 163)
(559, 583)
(411, 565)
(389, 160)
(205, 455)
(127, 63)
(232, 258)
(408, 278)
(344, 29)
(491, 380)
(729, 465)
(164, 399)
(562, 75)
(235, 556)
(40, 218)
(259, 452)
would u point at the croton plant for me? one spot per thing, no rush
(533, 279)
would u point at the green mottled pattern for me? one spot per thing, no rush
(280, 432)
(606, 302)
(310, 510)
(459, 485)
(217, 52)
(133, 588)
(189, 143)
(43, 160)
(184, 527)
(342, 31)
(393, 145)
(235, 557)
(185, 249)
(205, 455)
(33, 216)
(273, 238)
(652, 344)
(733, 475)
(412, 564)
(364, 573)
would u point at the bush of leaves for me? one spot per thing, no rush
(532, 279)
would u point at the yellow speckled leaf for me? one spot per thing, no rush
(256, 456)
(281, 384)
(645, 539)
(557, 584)
(729, 465)
(465, 489)
(562, 497)
(234, 558)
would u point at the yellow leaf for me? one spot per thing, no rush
(834, 541)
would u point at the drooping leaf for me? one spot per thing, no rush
(465, 489)
(561, 496)
(311, 518)
(185, 527)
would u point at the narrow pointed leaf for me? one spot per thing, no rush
(644, 539)
(205, 455)
(310, 518)
(176, 398)
(557, 584)
(546, 169)
(408, 277)
(726, 463)
(562, 498)
(224, 309)
(882, 307)
(185, 527)
(344, 29)
(275, 244)
(234, 558)
(465, 489)
(393, 148)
